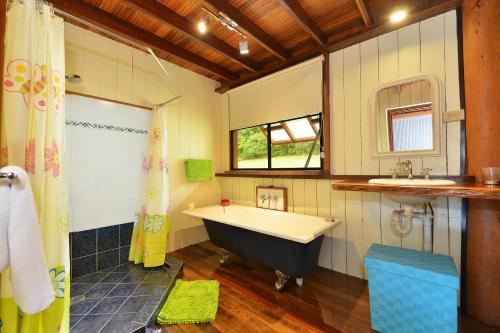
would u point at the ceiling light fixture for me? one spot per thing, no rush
(203, 25)
(244, 47)
(229, 24)
(398, 16)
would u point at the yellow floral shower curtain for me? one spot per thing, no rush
(32, 136)
(149, 238)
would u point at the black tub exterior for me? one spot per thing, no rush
(295, 259)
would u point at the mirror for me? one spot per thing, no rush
(406, 118)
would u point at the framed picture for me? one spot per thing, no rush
(270, 197)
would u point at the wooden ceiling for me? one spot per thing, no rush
(280, 33)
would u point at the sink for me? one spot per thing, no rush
(411, 200)
(415, 182)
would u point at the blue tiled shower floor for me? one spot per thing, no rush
(122, 299)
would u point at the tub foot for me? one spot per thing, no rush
(282, 278)
(224, 256)
(299, 281)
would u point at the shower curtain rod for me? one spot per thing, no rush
(138, 45)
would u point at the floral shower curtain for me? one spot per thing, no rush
(32, 136)
(149, 238)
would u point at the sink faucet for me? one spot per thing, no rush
(408, 167)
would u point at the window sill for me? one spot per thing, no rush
(303, 174)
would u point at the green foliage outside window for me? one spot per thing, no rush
(252, 144)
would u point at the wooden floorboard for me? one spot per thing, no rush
(327, 302)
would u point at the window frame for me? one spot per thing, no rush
(233, 139)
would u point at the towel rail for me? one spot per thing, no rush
(7, 175)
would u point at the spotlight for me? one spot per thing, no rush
(203, 25)
(244, 46)
(398, 16)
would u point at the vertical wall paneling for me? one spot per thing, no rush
(288, 183)
(299, 200)
(124, 73)
(339, 232)
(92, 63)
(432, 41)
(310, 197)
(352, 111)
(337, 112)
(425, 47)
(452, 91)
(388, 64)
(354, 233)
(409, 65)
(371, 221)
(369, 81)
(109, 70)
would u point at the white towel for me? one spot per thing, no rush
(29, 274)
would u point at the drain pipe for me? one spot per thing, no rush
(402, 220)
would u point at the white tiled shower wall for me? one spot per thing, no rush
(104, 165)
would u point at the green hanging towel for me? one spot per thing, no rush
(199, 170)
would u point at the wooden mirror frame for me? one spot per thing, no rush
(437, 125)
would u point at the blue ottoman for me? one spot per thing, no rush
(411, 291)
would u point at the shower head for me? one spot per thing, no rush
(74, 78)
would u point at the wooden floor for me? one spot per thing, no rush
(327, 302)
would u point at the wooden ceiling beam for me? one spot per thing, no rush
(435, 7)
(179, 23)
(363, 10)
(115, 25)
(248, 27)
(294, 8)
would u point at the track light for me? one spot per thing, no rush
(203, 25)
(398, 16)
(244, 46)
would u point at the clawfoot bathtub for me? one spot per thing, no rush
(289, 243)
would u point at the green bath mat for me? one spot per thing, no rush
(190, 302)
(199, 170)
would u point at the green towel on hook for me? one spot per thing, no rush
(198, 170)
(190, 302)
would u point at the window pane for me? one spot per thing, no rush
(252, 148)
(279, 135)
(301, 128)
(293, 155)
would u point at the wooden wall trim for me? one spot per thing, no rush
(326, 113)
(315, 174)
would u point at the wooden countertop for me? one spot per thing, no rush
(459, 190)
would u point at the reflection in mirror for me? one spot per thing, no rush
(405, 117)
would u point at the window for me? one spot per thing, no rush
(287, 144)
(410, 127)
